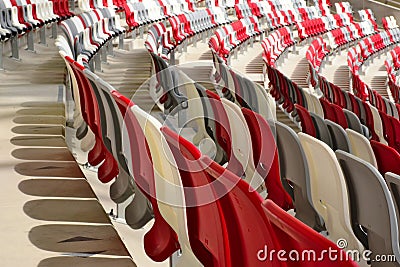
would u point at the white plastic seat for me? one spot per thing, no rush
(317, 106)
(361, 147)
(169, 189)
(241, 145)
(329, 191)
(378, 127)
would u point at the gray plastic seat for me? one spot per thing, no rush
(339, 137)
(347, 98)
(353, 121)
(321, 129)
(363, 115)
(372, 207)
(393, 182)
(294, 168)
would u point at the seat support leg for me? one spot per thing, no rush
(103, 52)
(121, 41)
(172, 57)
(42, 33)
(30, 42)
(120, 216)
(54, 30)
(110, 49)
(1, 55)
(15, 48)
(97, 62)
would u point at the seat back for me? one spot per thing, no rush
(361, 147)
(322, 130)
(246, 222)
(265, 156)
(388, 159)
(294, 168)
(393, 182)
(307, 125)
(329, 190)
(168, 185)
(375, 214)
(241, 145)
(317, 106)
(377, 124)
(339, 137)
(353, 121)
(210, 244)
(296, 236)
(219, 195)
(160, 241)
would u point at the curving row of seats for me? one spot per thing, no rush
(180, 221)
(162, 40)
(389, 23)
(392, 64)
(343, 130)
(276, 43)
(357, 55)
(185, 224)
(22, 18)
(372, 116)
(139, 13)
(88, 32)
(233, 35)
(317, 26)
(173, 184)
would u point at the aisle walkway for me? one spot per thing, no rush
(50, 215)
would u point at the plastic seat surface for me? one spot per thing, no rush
(376, 214)
(296, 236)
(329, 195)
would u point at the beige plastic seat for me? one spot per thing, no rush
(194, 112)
(317, 106)
(309, 100)
(361, 147)
(266, 103)
(241, 144)
(329, 191)
(87, 141)
(169, 189)
(378, 127)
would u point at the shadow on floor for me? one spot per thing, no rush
(86, 262)
(38, 140)
(39, 129)
(66, 210)
(76, 188)
(49, 169)
(86, 239)
(52, 154)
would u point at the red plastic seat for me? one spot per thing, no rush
(244, 226)
(388, 158)
(396, 131)
(160, 242)
(296, 236)
(387, 128)
(340, 117)
(223, 131)
(90, 113)
(307, 125)
(265, 156)
(209, 244)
